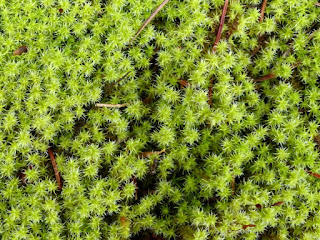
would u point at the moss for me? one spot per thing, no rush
(204, 133)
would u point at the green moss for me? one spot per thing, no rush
(196, 145)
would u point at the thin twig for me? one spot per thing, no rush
(55, 168)
(111, 105)
(266, 77)
(120, 79)
(149, 19)
(109, 88)
(223, 15)
(263, 8)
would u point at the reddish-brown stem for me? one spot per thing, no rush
(55, 168)
(317, 175)
(277, 204)
(263, 8)
(244, 227)
(266, 77)
(223, 15)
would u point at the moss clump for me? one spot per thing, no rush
(192, 144)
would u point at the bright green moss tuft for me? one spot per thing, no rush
(192, 144)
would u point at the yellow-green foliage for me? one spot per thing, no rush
(243, 168)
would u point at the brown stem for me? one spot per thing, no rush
(263, 8)
(120, 79)
(266, 77)
(244, 227)
(317, 175)
(277, 204)
(55, 168)
(223, 15)
(149, 19)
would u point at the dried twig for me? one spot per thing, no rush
(266, 77)
(263, 8)
(149, 19)
(111, 105)
(223, 15)
(55, 168)
(20, 50)
(317, 4)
